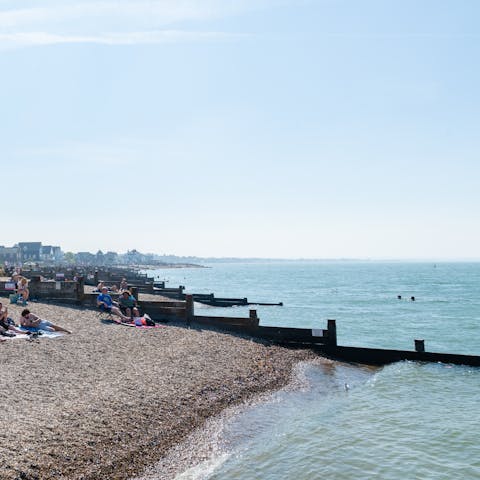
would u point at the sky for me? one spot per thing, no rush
(242, 128)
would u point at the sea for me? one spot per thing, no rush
(402, 421)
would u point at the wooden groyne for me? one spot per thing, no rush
(323, 341)
(378, 356)
(111, 276)
(209, 298)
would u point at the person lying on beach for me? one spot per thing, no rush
(106, 304)
(142, 321)
(7, 325)
(33, 323)
(138, 320)
(127, 302)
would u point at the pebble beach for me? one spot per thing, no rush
(108, 401)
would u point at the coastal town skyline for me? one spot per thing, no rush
(37, 253)
(266, 129)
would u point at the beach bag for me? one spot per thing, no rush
(13, 298)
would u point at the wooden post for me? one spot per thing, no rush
(419, 345)
(332, 333)
(253, 318)
(95, 277)
(80, 290)
(34, 287)
(189, 309)
(134, 292)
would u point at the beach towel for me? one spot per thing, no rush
(142, 326)
(35, 335)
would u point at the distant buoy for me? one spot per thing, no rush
(412, 299)
(399, 297)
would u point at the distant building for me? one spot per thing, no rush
(50, 254)
(9, 254)
(133, 257)
(30, 251)
(85, 258)
(110, 258)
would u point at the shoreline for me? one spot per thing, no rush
(107, 401)
(204, 446)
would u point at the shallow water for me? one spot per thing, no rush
(405, 420)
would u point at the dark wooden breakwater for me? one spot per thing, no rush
(378, 356)
(178, 293)
(324, 341)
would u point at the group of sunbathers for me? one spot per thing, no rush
(126, 308)
(29, 324)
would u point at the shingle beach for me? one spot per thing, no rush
(108, 400)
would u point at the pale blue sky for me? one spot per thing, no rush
(250, 128)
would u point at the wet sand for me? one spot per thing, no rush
(108, 400)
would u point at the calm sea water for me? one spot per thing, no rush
(402, 421)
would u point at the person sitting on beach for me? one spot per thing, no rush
(7, 325)
(100, 286)
(123, 285)
(34, 323)
(22, 290)
(114, 288)
(106, 304)
(127, 302)
(15, 278)
(3, 312)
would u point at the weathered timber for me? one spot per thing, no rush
(164, 311)
(378, 356)
(266, 304)
(210, 299)
(325, 342)
(283, 335)
(176, 293)
(69, 292)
